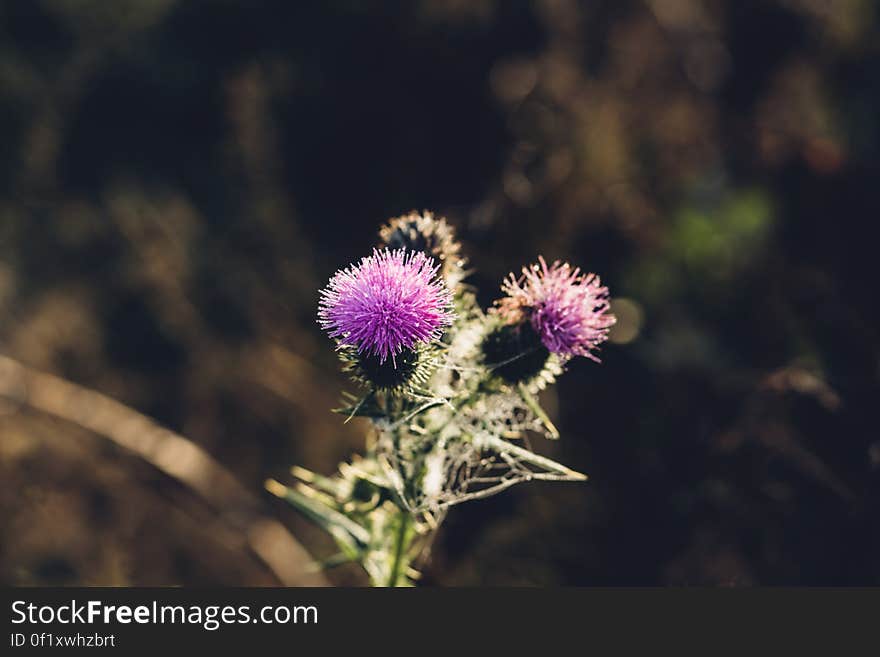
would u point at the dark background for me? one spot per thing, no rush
(178, 178)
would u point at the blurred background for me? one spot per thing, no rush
(179, 177)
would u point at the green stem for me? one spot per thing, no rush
(400, 548)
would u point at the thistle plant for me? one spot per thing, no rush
(450, 390)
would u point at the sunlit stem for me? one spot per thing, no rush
(401, 549)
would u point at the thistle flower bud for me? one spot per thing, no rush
(426, 234)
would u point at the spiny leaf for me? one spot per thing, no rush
(350, 535)
(535, 407)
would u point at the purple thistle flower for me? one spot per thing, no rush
(566, 308)
(389, 301)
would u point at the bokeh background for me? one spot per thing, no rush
(179, 177)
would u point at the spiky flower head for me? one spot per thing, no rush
(390, 301)
(430, 235)
(568, 309)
